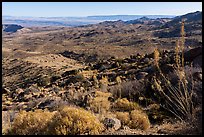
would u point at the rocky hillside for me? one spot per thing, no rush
(39, 83)
(193, 26)
(148, 21)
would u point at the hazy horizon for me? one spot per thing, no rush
(85, 9)
(90, 16)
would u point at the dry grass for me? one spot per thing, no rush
(6, 121)
(74, 121)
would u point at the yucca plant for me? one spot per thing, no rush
(177, 98)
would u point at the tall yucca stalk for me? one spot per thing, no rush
(179, 98)
(182, 41)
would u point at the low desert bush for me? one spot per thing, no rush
(103, 84)
(124, 117)
(131, 89)
(74, 121)
(31, 123)
(102, 94)
(100, 103)
(43, 81)
(138, 119)
(79, 77)
(125, 105)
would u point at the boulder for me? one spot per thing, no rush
(150, 69)
(194, 55)
(132, 71)
(197, 76)
(141, 75)
(166, 68)
(197, 61)
(146, 60)
(112, 123)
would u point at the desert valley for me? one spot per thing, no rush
(141, 76)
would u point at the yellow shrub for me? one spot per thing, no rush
(73, 121)
(100, 103)
(125, 105)
(31, 123)
(124, 117)
(104, 80)
(103, 83)
(102, 94)
(139, 119)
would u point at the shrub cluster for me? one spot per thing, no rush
(31, 123)
(74, 121)
(136, 119)
(66, 121)
(100, 103)
(125, 105)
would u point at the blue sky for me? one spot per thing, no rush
(63, 9)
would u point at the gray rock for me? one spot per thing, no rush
(150, 69)
(197, 61)
(132, 71)
(146, 60)
(192, 54)
(141, 75)
(198, 76)
(166, 68)
(112, 123)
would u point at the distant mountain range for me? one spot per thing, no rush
(72, 21)
(164, 26)
(127, 17)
